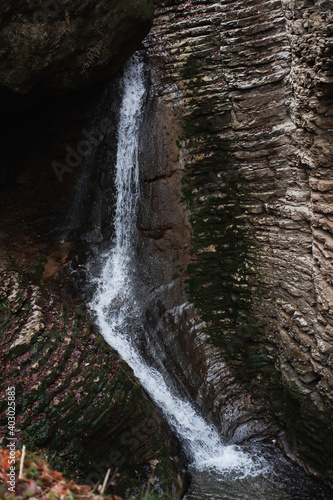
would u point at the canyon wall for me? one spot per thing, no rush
(242, 136)
(75, 399)
(235, 219)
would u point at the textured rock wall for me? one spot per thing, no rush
(74, 396)
(180, 339)
(244, 89)
(165, 228)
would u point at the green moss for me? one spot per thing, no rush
(221, 277)
(35, 274)
(219, 280)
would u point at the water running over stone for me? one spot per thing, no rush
(115, 304)
(118, 315)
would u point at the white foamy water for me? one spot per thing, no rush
(118, 314)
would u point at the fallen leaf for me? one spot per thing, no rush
(31, 487)
(59, 490)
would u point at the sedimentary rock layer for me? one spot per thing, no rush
(74, 397)
(246, 86)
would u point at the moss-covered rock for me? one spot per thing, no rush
(257, 187)
(73, 395)
(220, 275)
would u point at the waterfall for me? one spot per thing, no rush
(115, 305)
(118, 315)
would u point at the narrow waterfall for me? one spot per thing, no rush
(114, 301)
(118, 317)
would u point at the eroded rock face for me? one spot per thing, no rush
(178, 335)
(61, 45)
(244, 91)
(239, 112)
(73, 394)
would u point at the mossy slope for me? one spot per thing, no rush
(74, 396)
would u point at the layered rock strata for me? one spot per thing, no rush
(244, 92)
(74, 398)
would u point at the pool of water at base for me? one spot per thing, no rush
(277, 479)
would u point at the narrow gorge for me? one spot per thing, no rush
(178, 205)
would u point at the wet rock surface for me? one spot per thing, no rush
(166, 239)
(238, 137)
(250, 80)
(74, 396)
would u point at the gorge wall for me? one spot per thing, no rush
(242, 127)
(235, 218)
(74, 396)
(75, 399)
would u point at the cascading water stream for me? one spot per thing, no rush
(115, 304)
(118, 313)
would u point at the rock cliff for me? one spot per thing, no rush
(243, 92)
(74, 397)
(60, 45)
(235, 217)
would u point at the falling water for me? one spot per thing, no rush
(118, 316)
